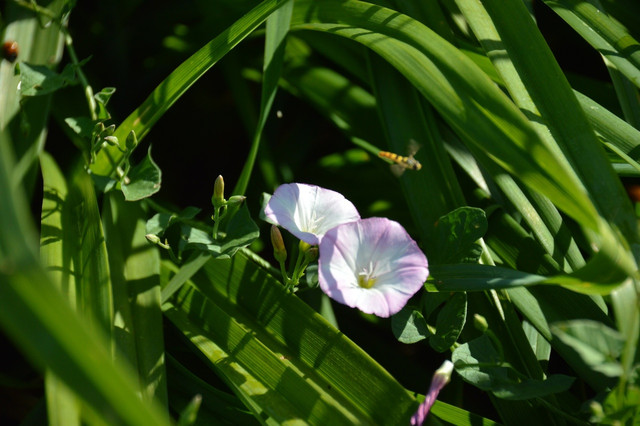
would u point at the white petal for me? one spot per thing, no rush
(308, 211)
(379, 247)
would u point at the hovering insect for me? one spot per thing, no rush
(403, 163)
(10, 50)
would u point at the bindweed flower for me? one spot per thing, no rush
(440, 378)
(372, 265)
(308, 211)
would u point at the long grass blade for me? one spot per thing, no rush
(277, 30)
(39, 319)
(171, 88)
(280, 355)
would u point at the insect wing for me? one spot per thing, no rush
(397, 169)
(412, 147)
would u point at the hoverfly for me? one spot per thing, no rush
(403, 163)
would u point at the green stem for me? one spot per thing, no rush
(68, 41)
(88, 90)
(285, 277)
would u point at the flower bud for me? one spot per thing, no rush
(441, 377)
(480, 323)
(236, 199)
(110, 130)
(152, 238)
(311, 254)
(279, 250)
(218, 192)
(131, 141)
(111, 140)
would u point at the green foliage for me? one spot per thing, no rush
(409, 326)
(457, 233)
(519, 205)
(38, 80)
(144, 180)
(479, 363)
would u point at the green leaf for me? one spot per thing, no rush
(160, 222)
(217, 406)
(240, 232)
(433, 190)
(472, 277)
(409, 326)
(63, 406)
(40, 321)
(602, 32)
(82, 126)
(102, 98)
(135, 270)
(592, 343)
(144, 179)
(479, 363)
(186, 271)
(38, 80)
(276, 32)
(457, 234)
(451, 320)
(280, 357)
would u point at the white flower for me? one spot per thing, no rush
(308, 211)
(371, 264)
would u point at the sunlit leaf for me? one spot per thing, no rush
(145, 179)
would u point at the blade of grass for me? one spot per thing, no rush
(277, 30)
(558, 107)
(612, 128)
(432, 191)
(135, 266)
(88, 251)
(217, 406)
(627, 95)
(248, 325)
(38, 318)
(605, 34)
(63, 407)
(469, 101)
(184, 76)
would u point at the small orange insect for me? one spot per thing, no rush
(403, 163)
(10, 50)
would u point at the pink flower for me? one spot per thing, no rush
(440, 378)
(308, 211)
(371, 264)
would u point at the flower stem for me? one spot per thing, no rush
(218, 214)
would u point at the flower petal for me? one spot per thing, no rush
(441, 377)
(380, 249)
(308, 211)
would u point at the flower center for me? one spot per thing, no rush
(366, 278)
(314, 222)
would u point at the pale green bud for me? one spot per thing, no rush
(111, 140)
(311, 254)
(236, 199)
(153, 238)
(218, 192)
(480, 323)
(279, 250)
